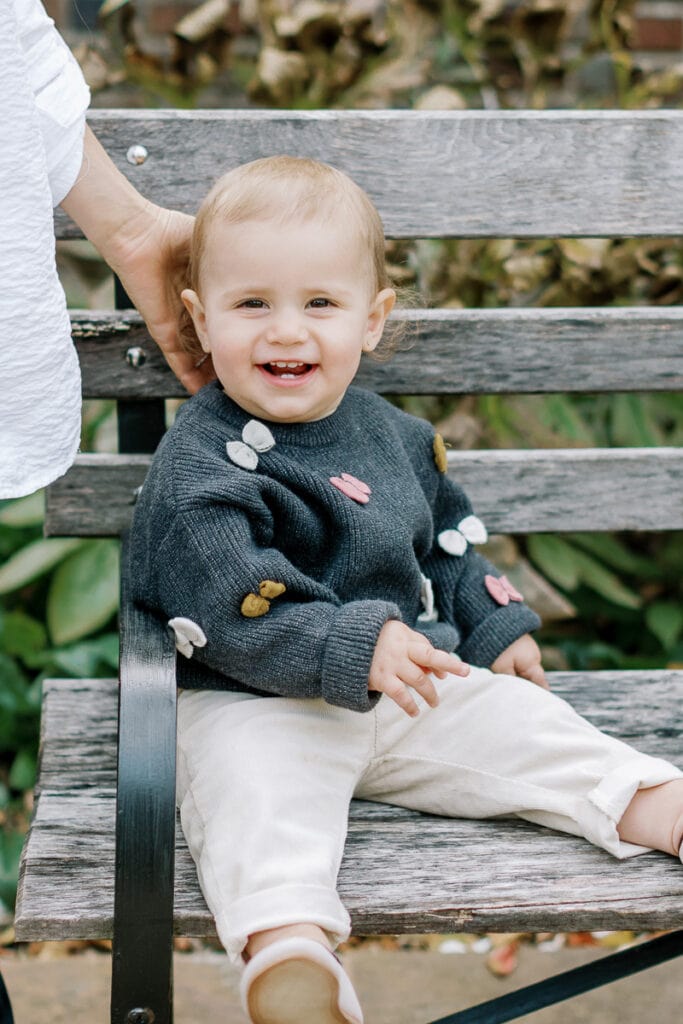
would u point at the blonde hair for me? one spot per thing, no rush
(283, 189)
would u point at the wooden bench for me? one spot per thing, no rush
(474, 174)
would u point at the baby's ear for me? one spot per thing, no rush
(380, 309)
(193, 305)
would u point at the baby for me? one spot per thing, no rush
(318, 567)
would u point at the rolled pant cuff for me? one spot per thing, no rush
(274, 908)
(610, 798)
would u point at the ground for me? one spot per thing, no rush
(395, 986)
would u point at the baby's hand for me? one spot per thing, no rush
(522, 658)
(405, 659)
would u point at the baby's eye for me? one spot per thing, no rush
(320, 303)
(253, 303)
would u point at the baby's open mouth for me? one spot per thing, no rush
(287, 370)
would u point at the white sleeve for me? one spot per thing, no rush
(60, 92)
(41, 401)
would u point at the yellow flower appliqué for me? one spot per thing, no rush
(255, 605)
(439, 448)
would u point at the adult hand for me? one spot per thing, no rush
(405, 660)
(146, 245)
(150, 255)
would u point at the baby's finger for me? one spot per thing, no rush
(400, 694)
(438, 661)
(535, 674)
(422, 683)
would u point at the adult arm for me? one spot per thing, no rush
(146, 245)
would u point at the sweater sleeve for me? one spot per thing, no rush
(462, 579)
(267, 624)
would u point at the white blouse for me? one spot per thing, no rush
(43, 99)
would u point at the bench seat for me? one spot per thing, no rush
(402, 871)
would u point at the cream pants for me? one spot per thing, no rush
(264, 785)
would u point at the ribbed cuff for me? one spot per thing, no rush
(497, 632)
(349, 652)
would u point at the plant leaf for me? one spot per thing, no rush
(84, 592)
(631, 424)
(11, 844)
(21, 635)
(665, 620)
(34, 560)
(555, 558)
(84, 660)
(614, 552)
(604, 582)
(23, 771)
(29, 511)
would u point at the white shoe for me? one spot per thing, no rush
(298, 981)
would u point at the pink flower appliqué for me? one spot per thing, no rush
(352, 488)
(501, 590)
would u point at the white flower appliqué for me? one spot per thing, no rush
(188, 635)
(430, 613)
(255, 438)
(471, 529)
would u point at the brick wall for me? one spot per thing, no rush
(659, 28)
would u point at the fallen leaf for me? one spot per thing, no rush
(502, 960)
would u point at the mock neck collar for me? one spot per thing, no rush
(330, 430)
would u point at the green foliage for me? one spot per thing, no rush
(665, 620)
(84, 591)
(72, 585)
(568, 566)
(34, 560)
(10, 851)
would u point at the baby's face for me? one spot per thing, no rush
(286, 311)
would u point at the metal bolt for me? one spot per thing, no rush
(135, 356)
(136, 154)
(140, 1016)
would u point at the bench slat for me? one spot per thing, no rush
(82, 746)
(454, 351)
(491, 173)
(555, 490)
(445, 874)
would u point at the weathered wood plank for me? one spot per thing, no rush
(452, 351)
(446, 874)
(78, 725)
(491, 173)
(513, 491)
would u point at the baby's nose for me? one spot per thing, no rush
(287, 330)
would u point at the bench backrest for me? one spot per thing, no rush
(458, 174)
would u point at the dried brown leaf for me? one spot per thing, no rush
(282, 74)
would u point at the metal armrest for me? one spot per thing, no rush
(145, 819)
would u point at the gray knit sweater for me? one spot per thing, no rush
(290, 545)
